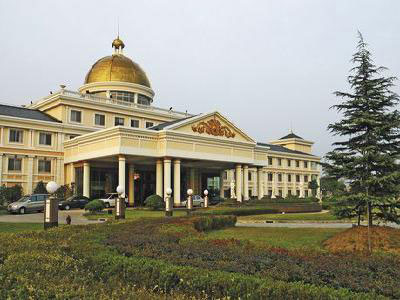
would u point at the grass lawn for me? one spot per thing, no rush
(3, 212)
(138, 213)
(309, 217)
(19, 227)
(290, 238)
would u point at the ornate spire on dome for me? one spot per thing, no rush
(118, 45)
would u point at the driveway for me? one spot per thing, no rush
(76, 217)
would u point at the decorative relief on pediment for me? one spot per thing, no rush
(213, 127)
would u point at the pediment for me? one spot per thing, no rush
(212, 125)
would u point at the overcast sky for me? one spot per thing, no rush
(263, 64)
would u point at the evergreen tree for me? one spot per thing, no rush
(368, 150)
(40, 188)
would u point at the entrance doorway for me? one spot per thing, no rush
(144, 186)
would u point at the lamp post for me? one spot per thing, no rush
(51, 206)
(120, 203)
(168, 203)
(189, 202)
(205, 198)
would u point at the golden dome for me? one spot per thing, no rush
(117, 67)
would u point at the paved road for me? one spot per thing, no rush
(76, 216)
(302, 225)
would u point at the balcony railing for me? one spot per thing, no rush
(100, 99)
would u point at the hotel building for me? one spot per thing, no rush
(109, 133)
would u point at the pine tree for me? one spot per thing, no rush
(368, 150)
(40, 188)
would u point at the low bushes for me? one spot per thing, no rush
(211, 223)
(155, 202)
(238, 211)
(171, 256)
(95, 206)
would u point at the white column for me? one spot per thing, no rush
(131, 185)
(273, 185)
(265, 180)
(285, 184)
(86, 179)
(159, 177)
(319, 196)
(1, 136)
(1, 168)
(246, 182)
(29, 185)
(301, 185)
(135, 98)
(239, 183)
(121, 171)
(260, 193)
(177, 181)
(72, 173)
(167, 175)
(221, 183)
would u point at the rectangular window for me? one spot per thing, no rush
(279, 161)
(306, 193)
(269, 192)
(270, 161)
(305, 164)
(305, 178)
(297, 164)
(289, 178)
(99, 120)
(280, 177)
(249, 176)
(280, 193)
(76, 116)
(226, 175)
(44, 166)
(119, 121)
(72, 136)
(135, 123)
(289, 192)
(45, 138)
(16, 136)
(289, 162)
(298, 193)
(297, 178)
(14, 164)
(269, 176)
(149, 124)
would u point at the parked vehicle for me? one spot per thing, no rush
(109, 199)
(197, 201)
(28, 203)
(77, 201)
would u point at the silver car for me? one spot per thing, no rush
(197, 201)
(28, 203)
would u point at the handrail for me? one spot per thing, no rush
(106, 100)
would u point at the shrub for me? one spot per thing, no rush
(10, 194)
(239, 211)
(155, 202)
(95, 206)
(208, 223)
(63, 192)
(40, 188)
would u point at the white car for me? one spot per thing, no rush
(109, 199)
(197, 201)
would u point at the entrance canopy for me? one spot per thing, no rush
(208, 138)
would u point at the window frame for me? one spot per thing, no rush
(70, 116)
(135, 120)
(104, 120)
(47, 162)
(21, 131)
(149, 122)
(14, 159)
(119, 118)
(46, 133)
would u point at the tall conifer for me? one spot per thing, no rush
(367, 152)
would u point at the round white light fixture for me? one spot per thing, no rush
(190, 192)
(120, 189)
(169, 191)
(205, 192)
(52, 187)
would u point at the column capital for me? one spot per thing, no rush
(238, 166)
(177, 161)
(167, 159)
(121, 157)
(245, 166)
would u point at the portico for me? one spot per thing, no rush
(181, 155)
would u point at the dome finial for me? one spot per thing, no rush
(118, 44)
